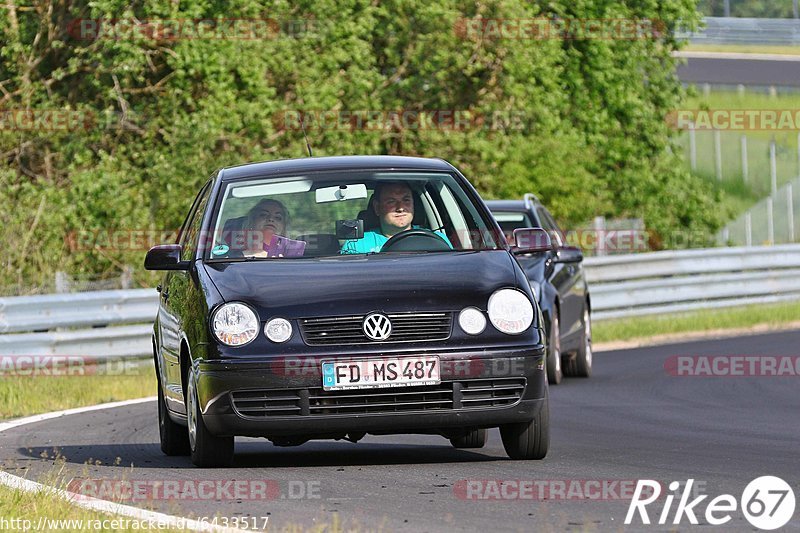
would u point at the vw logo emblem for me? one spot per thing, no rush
(377, 327)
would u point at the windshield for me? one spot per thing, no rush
(334, 214)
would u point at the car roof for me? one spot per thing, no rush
(348, 162)
(500, 205)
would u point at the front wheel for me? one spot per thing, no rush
(207, 450)
(474, 439)
(529, 440)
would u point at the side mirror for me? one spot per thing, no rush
(569, 254)
(165, 257)
(531, 240)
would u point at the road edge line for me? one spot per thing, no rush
(751, 56)
(666, 339)
(96, 504)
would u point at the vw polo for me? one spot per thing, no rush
(334, 297)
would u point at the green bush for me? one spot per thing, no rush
(581, 122)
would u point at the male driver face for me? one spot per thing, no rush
(395, 208)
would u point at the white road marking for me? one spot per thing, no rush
(96, 504)
(735, 55)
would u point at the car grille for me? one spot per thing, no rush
(406, 327)
(447, 396)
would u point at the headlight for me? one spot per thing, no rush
(510, 311)
(472, 321)
(235, 324)
(278, 330)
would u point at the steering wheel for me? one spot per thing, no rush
(416, 240)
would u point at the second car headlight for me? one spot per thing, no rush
(235, 324)
(510, 311)
(278, 330)
(472, 321)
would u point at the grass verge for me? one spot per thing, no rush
(751, 316)
(42, 511)
(28, 395)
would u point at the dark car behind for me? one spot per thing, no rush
(559, 282)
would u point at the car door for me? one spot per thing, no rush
(566, 278)
(175, 289)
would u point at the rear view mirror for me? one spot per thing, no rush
(341, 192)
(165, 257)
(531, 240)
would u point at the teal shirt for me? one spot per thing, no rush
(374, 241)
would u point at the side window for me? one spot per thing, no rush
(550, 225)
(191, 230)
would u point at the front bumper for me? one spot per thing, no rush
(283, 397)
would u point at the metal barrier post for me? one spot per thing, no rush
(773, 168)
(748, 229)
(744, 158)
(790, 212)
(770, 222)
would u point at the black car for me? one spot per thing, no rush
(328, 298)
(559, 284)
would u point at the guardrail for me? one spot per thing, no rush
(729, 30)
(686, 280)
(119, 323)
(81, 309)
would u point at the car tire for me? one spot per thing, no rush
(529, 440)
(207, 450)
(474, 439)
(581, 365)
(553, 363)
(173, 436)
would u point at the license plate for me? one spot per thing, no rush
(380, 373)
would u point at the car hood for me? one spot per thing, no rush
(297, 288)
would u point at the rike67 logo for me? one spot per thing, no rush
(767, 503)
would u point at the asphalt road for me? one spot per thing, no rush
(733, 71)
(630, 421)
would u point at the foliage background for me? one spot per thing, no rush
(166, 113)
(747, 8)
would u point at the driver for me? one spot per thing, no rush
(393, 203)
